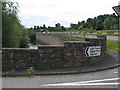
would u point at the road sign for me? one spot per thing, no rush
(93, 51)
(117, 10)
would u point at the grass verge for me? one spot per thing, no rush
(113, 46)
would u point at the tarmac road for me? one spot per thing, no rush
(100, 79)
(114, 38)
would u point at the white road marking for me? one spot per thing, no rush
(115, 72)
(110, 79)
(87, 84)
(92, 82)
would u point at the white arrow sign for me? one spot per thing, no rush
(93, 51)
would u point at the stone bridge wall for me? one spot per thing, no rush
(49, 39)
(69, 55)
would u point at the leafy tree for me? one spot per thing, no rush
(35, 28)
(10, 8)
(57, 25)
(93, 24)
(80, 27)
(44, 26)
(63, 28)
(12, 30)
(99, 25)
(110, 23)
(32, 35)
(24, 38)
(73, 26)
(38, 27)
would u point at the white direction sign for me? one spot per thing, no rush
(93, 51)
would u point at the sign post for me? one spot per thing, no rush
(117, 11)
(93, 51)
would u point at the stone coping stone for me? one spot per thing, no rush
(76, 42)
(20, 48)
(50, 45)
(96, 38)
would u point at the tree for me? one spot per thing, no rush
(35, 28)
(10, 8)
(32, 35)
(80, 27)
(63, 28)
(73, 26)
(12, 30)
(38, 27)
(11, 33)
(90, 23)
(99, 25)
(44, 26)
(24, 38)
(110, 23)
(57, 25)
(93, 24)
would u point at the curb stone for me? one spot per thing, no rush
(64, 73)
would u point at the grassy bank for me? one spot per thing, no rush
(113, 46)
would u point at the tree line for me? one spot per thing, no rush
(14, 35)
(57, 27)
(101, 22)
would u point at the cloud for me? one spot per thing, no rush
(40, 20)
(64, 11)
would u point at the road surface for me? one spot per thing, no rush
(114, 38)
(100, 79)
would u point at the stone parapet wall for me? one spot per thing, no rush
(49, 39)
(69, 55)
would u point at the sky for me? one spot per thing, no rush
(65, 12)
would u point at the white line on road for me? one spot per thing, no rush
(92, 82)
(87, 84)
(110, 79)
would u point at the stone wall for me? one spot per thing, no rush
(69, 55)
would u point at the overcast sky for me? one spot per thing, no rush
(50, 12)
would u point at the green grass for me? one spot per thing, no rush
(113, 46)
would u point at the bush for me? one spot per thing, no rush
(80, 27)
(32, 36)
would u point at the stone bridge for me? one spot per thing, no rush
(67, 54)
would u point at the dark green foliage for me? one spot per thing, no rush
(14, 35)
(44, 26)
(39, 67)
(99, 25)
(25, 38)
(57, 25)
(32, 35)
(35, 28)
(101, 22)
(110, 23)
